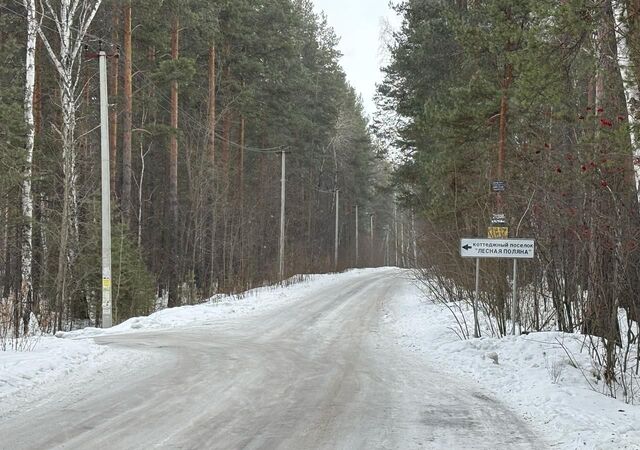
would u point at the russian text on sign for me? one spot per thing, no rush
(497, 248)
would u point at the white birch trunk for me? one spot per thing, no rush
(630, 82)
(26, 291)
(44, 242)
(72, 21)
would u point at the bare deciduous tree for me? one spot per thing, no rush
(71, 21)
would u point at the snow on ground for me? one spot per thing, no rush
(534, 375)
(30, 375)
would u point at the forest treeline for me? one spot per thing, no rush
(552, 86)
(204, 95)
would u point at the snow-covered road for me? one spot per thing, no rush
(322, 372)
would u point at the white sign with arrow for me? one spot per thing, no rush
(497, 248)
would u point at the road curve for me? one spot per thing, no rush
(320, 373)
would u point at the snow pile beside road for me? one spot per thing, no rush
(23, 375)
(544, 376)
(219, 307)
(50, 358)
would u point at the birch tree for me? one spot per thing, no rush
(630, 82)
(26, 296)
(71, 20)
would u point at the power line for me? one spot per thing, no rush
(148, 82)
(198, 124)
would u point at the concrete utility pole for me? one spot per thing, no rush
(386, 247)
(413, 239)
(282, 206)
(335, 245)
(371, 238)
(356, 235)
(402, 252)
(395, 231)
(106, 193)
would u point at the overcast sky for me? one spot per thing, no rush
(358, 23)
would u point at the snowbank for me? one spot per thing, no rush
(219, 307)
(31, 375)
(544, 376)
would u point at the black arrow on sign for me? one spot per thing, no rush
(467, 247)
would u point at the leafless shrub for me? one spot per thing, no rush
(23, 342)
(555, 368)
(5, 324)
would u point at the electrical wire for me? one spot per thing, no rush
(150, 83)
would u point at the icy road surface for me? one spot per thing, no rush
(321, 372)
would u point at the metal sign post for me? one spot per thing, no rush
(497, 248)
(514, 297)
(476, 322)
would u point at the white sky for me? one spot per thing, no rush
(358, 23)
